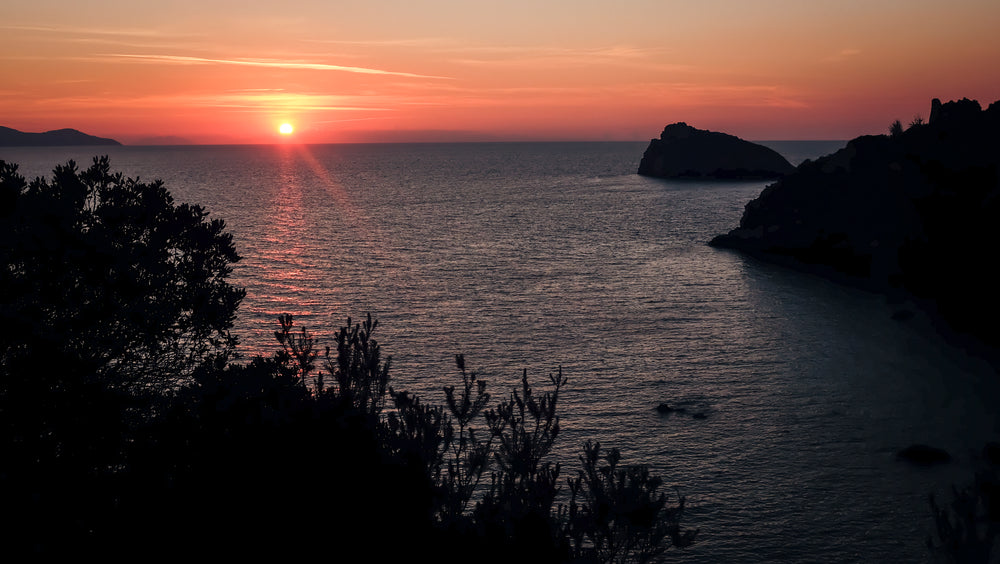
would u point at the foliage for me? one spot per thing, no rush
(967, 529)
(110, 272)
(523, 484)
(362, 378)
(896, 128)
(468, 457)
(616, 514)
(126, 425)
(110, 293)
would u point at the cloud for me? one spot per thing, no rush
(63, 30)
(268, 63)
(232, 101)
(138, 38)
(842, 55)
(734, 95)
(412, 42)
(517, 55)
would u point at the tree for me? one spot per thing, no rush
(109, 273)
(110, 295)
(896, 129)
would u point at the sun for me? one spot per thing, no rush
(286, 129)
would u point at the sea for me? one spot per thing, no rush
(538, 258)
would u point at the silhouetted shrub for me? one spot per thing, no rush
(896, 128)
(967, 528)
(613, 514)
(617, 515)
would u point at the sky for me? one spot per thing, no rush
(211, 71)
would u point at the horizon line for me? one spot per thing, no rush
(456, 142)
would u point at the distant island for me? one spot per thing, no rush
(683, 151)
(14, 138)
(912, 213)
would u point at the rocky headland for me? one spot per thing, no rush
(14, 138)
(913, 212)
(683, 151)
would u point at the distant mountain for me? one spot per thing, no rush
(14, 138)
(683, 151)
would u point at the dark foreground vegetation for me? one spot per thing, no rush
(129, 429)
(967, 523)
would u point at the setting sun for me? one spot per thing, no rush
(286, 129)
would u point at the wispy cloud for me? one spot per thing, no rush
(842, 55)
(618, 56)
(76, 30)
(411, 42)
(128, 38)
(326, 121)
(255, 101)
(741, 95)
(267, 63)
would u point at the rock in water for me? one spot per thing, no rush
(666, 409)
(683, 151)
(924, 455)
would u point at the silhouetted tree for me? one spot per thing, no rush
(109, 291)
(896, 128)
(111, 272)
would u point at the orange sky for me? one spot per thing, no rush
(436, 70)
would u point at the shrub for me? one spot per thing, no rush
(896, 128)
(127, 427)
(615, 513)
(967, 528)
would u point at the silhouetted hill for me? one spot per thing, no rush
(912, 212)
(683, 151)
(14, 138)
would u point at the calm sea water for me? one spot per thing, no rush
(540, 256)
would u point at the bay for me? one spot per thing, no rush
(549, 256)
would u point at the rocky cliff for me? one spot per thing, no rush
(914, 212)
(683, 151)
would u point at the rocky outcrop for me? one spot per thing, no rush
(14, 138)
(685, 152)
(924, 455)
(915, 211)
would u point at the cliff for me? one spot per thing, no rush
(910, 212)
(14, 138)
(683, 151)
